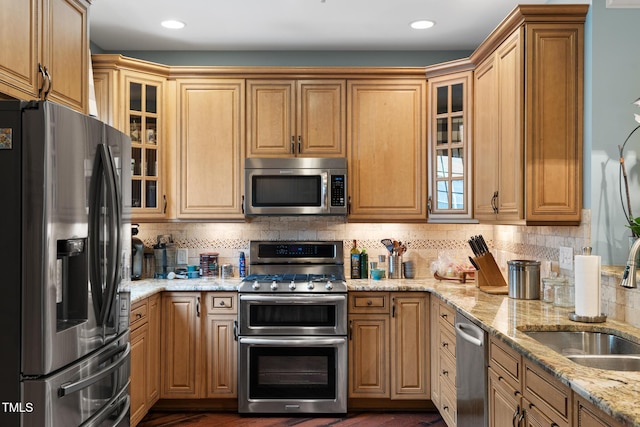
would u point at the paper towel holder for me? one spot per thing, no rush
(587, 319)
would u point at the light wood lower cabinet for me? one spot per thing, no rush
(145, 357)
(389, 345)
(221, 353)
(443, 360)
(585, 414)
(189, 321)
(521, 394)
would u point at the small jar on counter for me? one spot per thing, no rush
(564, 294)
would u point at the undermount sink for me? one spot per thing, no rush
(600, 350)
(612, 362)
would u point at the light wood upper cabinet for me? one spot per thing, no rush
(131, 96)
(210, 148)
(528, 117)
(499, 156)
(387, 150)
(296, 118)
(450, 146)
(49, 52)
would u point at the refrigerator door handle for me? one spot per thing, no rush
(104, 171)
(69, 388)
(108, 409)
(116, 228)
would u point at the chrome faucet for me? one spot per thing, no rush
(629, 275)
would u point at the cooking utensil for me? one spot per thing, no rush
(388, 243)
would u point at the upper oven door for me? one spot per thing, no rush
(318, 314)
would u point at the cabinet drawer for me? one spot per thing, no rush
(369, 302)
(448, 405)
(447, 371)
(506, 362)
(447, 340)
(138, 315)
(222, 302)
(547, 393)
(447, 314)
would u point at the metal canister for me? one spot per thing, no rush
(524, 279)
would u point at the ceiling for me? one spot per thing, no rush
(264, 25)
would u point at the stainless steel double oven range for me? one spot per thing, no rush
(293, 329)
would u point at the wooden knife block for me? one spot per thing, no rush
(489, 278)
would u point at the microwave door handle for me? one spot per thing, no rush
(325, 190)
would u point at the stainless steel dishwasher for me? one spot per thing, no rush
(471, 373)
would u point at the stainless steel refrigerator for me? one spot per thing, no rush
(65, 237)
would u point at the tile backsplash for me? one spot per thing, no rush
(426, 243)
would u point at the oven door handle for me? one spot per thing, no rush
(294, 342)
(293, 298)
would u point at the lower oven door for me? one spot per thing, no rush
(292, 375)
(292, 315)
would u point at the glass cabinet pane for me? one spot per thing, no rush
(151, 194)
(456, 98)
(151, 99)
(442, 195)
(136, 161)
(442, 136)
(151, 130)
(442, 163)
(135, 128)
(136, 193)
(457, 127)
(135, 97)
(442, 105)
(457, 194)
(457, 163)
(151, 163)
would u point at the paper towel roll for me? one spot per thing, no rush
(587, 283)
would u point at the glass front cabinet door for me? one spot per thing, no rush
(450, 148)
(143, 126)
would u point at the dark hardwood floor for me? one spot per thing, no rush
(227, 419)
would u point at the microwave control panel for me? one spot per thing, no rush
(337, 190)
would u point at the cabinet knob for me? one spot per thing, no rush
(369, 302)
(138, 315)
(222, 303)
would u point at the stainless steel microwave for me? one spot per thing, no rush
(295, 186)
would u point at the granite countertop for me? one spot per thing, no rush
(615, 393)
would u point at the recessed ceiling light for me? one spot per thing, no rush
(172, 24)
(422, 24)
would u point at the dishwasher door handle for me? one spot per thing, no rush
(462, 328)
